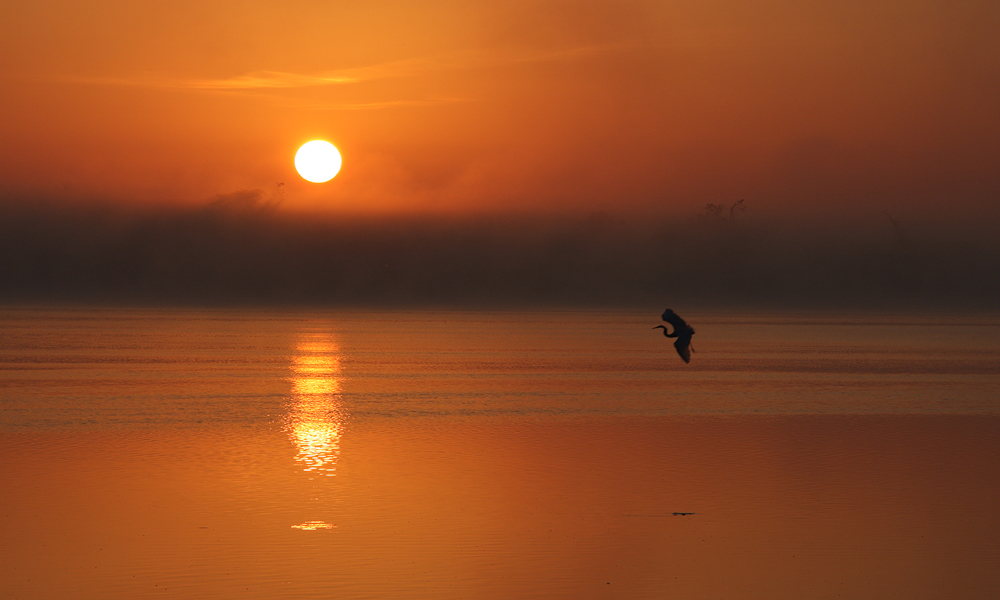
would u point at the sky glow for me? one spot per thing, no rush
(491, 106)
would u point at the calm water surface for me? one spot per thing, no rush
(445, 454)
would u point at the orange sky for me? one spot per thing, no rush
(488, 105)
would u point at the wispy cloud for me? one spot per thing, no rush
(376, 105)
(260, 80)
(411, 67)
(266, 79)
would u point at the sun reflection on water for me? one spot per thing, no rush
(314, 525)
(315, 420)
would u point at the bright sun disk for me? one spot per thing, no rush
(317, 161)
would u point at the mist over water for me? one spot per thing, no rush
(244, 249)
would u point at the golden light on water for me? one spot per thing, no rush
(315, 420)
(313, 526)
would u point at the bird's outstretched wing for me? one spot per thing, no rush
(683, 345)
(671, 317)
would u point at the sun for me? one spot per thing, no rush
(317, 161)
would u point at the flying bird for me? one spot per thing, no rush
(682, 331)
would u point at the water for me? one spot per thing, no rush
(447, 454)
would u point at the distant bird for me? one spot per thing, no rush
(682, 331)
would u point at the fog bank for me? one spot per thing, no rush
(243, 250)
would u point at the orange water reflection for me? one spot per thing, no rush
(313, 526)
(316, 416)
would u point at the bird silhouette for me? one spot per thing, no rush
(682, 331)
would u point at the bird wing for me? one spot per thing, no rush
(683, 346)
(671, 317)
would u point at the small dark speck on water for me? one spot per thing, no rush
(680, 514)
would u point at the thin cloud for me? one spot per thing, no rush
(259, 80)
(411, 67)
(267, 79)
(377, 105)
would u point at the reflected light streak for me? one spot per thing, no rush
(313, 526)
(315, 420)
